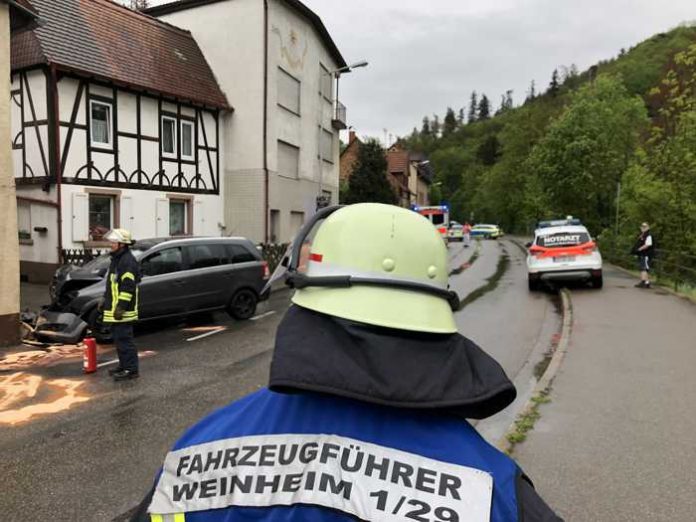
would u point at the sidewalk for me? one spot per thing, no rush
(618, 440)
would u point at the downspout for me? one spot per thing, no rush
(55, 145)
(265, 121)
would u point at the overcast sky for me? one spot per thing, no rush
(427, 55)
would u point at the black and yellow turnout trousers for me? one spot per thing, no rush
(122, 287)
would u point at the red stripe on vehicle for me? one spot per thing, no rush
(318, 258)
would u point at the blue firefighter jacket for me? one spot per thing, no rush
(314, 457)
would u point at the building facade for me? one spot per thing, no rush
(276, 61)
(111, 128)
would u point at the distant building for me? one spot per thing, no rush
(116, 122)
(274, 59)
(349, 156)
(411, 176)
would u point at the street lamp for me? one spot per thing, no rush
(320, 203)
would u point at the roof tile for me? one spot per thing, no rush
(106, 40)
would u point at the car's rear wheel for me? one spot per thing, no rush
(243, 304)
(99, 330)
(597, 281)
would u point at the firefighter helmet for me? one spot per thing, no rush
(119, 235)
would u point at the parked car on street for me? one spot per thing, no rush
(180, 277)
(456, 231)
(486, 231)
(563, 252)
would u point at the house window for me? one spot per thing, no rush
(288, 92)
(101, 216)
(288, 160)
(178, 217)
(275, 225)
(24, 220)
(168, 136)
(326, 83)
(187, 128)
(100, 123)
(327, 145)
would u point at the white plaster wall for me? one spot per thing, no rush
(295, 46)
(144, 203)
(45, 247)
(230, 34)
(36, 83)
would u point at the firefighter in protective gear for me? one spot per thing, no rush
(370, 389)
(120, 304)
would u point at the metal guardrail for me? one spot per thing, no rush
(671, 267)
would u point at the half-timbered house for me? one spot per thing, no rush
(116, 122)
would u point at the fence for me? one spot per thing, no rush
(674, 268)
(273, 253)
(78, 256)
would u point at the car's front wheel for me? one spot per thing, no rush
(243, 304)
(597, 281)
(100, 331)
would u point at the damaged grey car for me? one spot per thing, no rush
(180, 277)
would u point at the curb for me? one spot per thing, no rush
(544, 383)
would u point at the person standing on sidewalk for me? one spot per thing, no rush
(371, 386)
(120, 305)
(645, 249)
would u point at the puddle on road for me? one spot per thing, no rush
(20, 392)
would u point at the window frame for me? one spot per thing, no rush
(113, 217)
(191, 124)
(110, 124)
(282, 72)
(324, 134)
(299, 160)
(174, 154)
(325, 73)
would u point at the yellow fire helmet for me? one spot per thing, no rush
(374, 264)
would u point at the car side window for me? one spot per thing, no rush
(203, 256)
(162, 262)
(240, 254)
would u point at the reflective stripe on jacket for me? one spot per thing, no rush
(122, 287)
(301, 457)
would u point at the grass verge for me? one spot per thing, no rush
(467, 264)
(491, 282)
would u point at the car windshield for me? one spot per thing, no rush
(563, 239)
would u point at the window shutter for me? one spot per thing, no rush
(127, 218)
(198, 219)
(80, 217)
(162, 227)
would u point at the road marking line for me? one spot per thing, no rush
(262, 316)
(207, 334)
(107, 363)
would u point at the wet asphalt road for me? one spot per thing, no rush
(95, 460)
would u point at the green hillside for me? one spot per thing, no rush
(629, 120)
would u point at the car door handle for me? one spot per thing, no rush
(179, 282)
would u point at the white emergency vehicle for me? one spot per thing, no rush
(562, 251)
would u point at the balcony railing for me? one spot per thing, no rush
(339, 121)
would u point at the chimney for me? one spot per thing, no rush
(351, 137)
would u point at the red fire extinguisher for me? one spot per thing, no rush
(89, 357)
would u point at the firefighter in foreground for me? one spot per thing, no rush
(120, 305)
(370, 389)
